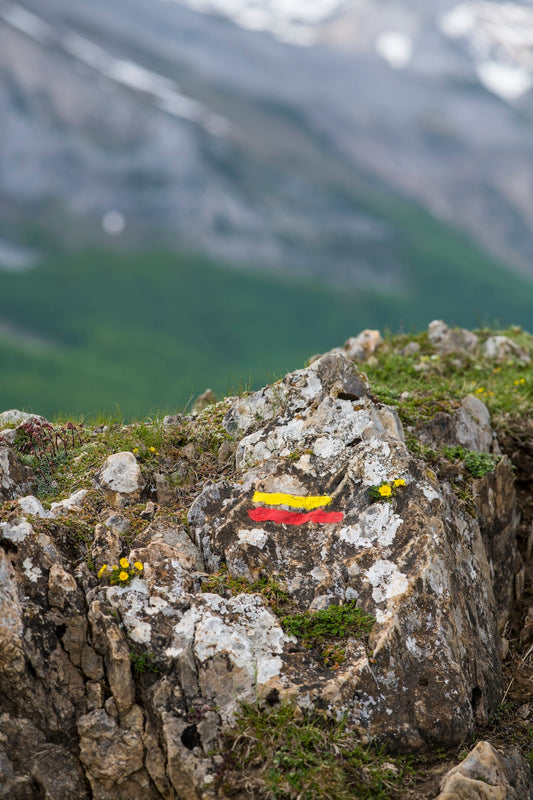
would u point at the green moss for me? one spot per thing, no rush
(334, 622)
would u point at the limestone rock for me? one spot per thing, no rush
(8, 435)
(487, 774)
(16, 417)
(207, 398)
(454, 340)
(418, 564)
(121, 479)
(113, 756)
(501, 348)
(359, 348)
(121, 691)
(469, 426)
(15, 479)
(72, 503)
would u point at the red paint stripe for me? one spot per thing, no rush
(293, 517)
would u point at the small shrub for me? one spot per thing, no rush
(142, 663)
(478, 464)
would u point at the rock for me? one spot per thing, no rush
(469, 426)
(116, 522)
(15, 478)
(121, 479)
(148, 511)
(359, 348)
(498, 518)
(417, 564)
(172, 420)
(455, 340)
(122, 691)
(501, 348)
(526, 634)
(410, 349)
(207, 398)
(106, 546)
(113, 756)
(8, 435)
(111, 641)
(487, 774)
(72, 503)
(165, 492)
(16, 417)
(30, 505)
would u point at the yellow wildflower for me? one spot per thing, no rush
(123, 576)
(398, 482)
(152, 449)
(480, 390)
(385, 490)
(102, 570)
(519, 381)
(135, 450)
(124, 563)
(138, 566)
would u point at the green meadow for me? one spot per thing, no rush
(144, 333)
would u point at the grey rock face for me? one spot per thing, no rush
(15, 478)
(418, 564)
(121, 479)
(487, 774)
(121, 691)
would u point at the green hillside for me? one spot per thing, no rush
(147, 332)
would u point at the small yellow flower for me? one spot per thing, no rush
(480, 390)
(519, 381)
(135, 450)
(102, 570)
(123, 576)
(138, 566)
(399, 482)
(124, 563)
(114, 567)
(152, 449)
(385, 491)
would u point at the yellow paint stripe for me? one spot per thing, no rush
(293, 500)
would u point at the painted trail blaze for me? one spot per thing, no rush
(312, 504)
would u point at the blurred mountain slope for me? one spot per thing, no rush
(228, 141)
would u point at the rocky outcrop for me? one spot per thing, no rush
(119, 671)
(486, 774)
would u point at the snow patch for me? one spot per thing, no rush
(395, 47)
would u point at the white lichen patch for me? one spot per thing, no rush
(241, 627)
(31, 572)
(319, 574)
(16, 530)
(327, 447)
(377, 525)
(387, 580)
(312, 388)
(376, 467)
(256, 537)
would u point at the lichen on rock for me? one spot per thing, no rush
(312, 500)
